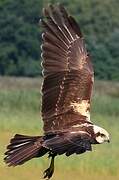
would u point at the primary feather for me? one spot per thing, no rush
(68, 72)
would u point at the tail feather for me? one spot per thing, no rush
(23, 148)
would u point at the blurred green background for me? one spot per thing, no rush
(20, 104)
(20, 35)
(20, 98)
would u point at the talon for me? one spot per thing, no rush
(49, 172)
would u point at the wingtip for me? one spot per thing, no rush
(51, 7)
(45, 11)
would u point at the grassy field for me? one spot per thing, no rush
(20, 113)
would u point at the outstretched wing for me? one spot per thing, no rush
(68, 72)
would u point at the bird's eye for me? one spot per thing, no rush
(102, 135)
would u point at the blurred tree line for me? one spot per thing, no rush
(20, 35)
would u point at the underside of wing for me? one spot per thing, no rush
(69, 143)
(68, 72)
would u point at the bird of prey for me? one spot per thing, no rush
(66, 95)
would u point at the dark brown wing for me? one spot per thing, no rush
(68, 72)
(69, 143)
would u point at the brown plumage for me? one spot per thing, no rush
(66, 95)
(68, 73)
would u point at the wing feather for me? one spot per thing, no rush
(67, 69)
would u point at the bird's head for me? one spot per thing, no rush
(101, 135)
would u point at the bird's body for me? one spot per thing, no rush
(66, 95)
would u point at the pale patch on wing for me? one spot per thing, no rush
(82, 125)
(82, 108)
(80, 132)
(83, 54)
(77, 125)
(82, 62)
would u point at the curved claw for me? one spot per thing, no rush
(49, 172)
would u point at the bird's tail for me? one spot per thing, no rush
(23, 148)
